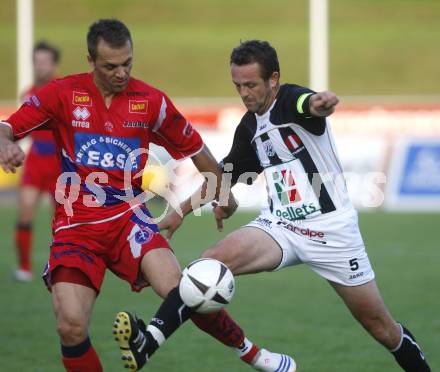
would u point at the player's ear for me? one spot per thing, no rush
(90, 61)
(273, 80)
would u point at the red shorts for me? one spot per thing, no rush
(41, 172)
(118, 245)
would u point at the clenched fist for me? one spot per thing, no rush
(323, 103)
(11, 155)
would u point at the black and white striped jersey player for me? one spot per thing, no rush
(310, 215)
(286, 135)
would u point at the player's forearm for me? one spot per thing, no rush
(212, 188)
(207, 165)
(195, 201)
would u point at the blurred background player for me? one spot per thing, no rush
(41, 167)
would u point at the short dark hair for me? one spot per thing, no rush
(112, 31)
(258, 51)
(46, 47)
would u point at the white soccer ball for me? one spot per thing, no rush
(207, 285)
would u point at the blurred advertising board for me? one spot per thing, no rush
(390, 153)
(368, 139)
(382, 151)
(414, 176)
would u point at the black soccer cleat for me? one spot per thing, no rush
(129, 333)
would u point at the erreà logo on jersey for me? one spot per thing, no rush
(137, 107)
(81, 99)
(285, 187)
(81, 113)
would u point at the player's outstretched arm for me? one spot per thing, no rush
(323, 103)
(11, 155)
(210, 190)
(207, 165)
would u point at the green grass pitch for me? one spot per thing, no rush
(292, 311)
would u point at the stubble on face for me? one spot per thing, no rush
(255, 92)
(112, 67)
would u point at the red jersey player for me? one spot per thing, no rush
(100, 121)
(40, 169)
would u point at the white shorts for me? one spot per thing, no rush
(331, 245)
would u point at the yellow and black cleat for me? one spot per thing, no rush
(129, 333)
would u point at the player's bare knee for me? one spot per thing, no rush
(164, 287)
(25, 216)
(211, 253)
(72, 331)
(163, 291)
(376, 326)
(219, 253)
(161, 270)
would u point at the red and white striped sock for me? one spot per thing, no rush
(247, 351)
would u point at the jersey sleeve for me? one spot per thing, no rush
(172, 131)
(242, 157)
(296, 102)
(35, 112)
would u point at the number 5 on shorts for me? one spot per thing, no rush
(354, 265)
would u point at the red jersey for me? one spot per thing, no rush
(43, 142)
(92, 137)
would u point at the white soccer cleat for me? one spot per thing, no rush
(273, 362)
(23, 276)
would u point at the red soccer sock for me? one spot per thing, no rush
(223, 328)
(81, 358)
(23, 240)
(220, 326)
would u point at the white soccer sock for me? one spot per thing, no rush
(157, 334)
(268, 362)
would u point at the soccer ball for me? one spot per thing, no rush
(207, 285)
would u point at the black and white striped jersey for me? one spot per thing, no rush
(297, 154)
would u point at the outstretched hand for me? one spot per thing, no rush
(171, 223)
(223, 212)
(173, 220)
(323, 103)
